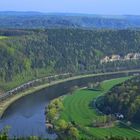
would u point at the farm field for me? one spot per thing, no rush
(77, 108)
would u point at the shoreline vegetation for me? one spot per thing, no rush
(62, 119)
(7, 102)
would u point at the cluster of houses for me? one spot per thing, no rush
(33, 83)
(112, 58)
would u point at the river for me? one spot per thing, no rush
(26, 116)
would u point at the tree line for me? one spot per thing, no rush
(123, 99)
(28, 54)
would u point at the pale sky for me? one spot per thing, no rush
(109, 7)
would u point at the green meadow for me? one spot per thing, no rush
(77, 108)
(3, 37)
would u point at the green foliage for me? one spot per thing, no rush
(51, 114)
(53, 109)
(74, 133)
(62, 125)
(104, 121)
(58, 104)
(28, 54)
(27, 64)
(123, 98)
(78, 111)
(3, 37)
(4, 133)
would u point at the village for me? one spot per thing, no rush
(116, 57)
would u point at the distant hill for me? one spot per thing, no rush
(14, 13)
(15, 19)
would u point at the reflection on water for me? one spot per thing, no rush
(26, 116)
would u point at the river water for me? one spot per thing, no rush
(26, 117)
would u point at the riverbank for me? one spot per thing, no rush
(77, 110)
(7, 102)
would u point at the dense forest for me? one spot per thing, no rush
(27, 54)
(123, 98)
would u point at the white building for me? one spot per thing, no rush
(129, 56)
(136, 56)
(115, 58)
(105, 60)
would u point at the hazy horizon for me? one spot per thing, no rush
(68, 13)
(100, 7)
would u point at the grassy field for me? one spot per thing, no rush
(3, 37)
(76, 108)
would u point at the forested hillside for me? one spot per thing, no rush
(123, 98)
(27, 54)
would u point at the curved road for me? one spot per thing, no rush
(39, 84)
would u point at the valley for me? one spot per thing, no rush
(27, 55)
(69, 76)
